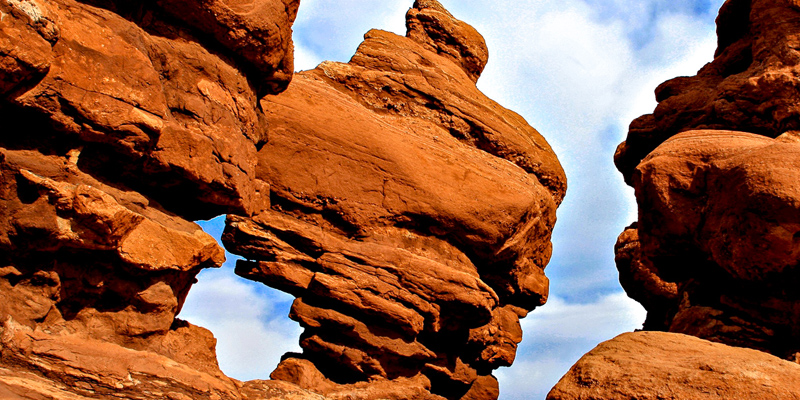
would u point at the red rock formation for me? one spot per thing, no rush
(658, 365)
(750, 86)
(718, 231)
(122, 123)
(717, 245)
(716, 250)
(410, 216)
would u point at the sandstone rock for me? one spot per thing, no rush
(143, 102)
(121, 125)
(718, 237)
(749, 86)
(657, 365)
(410, 216)
(715, 252)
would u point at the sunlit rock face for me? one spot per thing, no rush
(661, 365)
(716, 250)
(409, 214)
(122, 123)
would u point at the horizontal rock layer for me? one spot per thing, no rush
(409, 214)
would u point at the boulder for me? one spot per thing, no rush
(670, 366)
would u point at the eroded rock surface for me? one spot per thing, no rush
(410, 216)
(718, 233)
(670, 366)
(716, 250)
(749, 86)
(122, 123)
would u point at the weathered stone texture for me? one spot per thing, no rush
(410, 216)
(121, 125)
(670, 366)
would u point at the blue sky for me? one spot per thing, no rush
(578, 71)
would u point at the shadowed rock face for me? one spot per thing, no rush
(410, 216)
(716, 250)
(122, 123)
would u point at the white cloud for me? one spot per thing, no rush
(332, 30)
(248, 319)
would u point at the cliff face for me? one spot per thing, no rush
(122, 123)
(716, 250)
(410, 216)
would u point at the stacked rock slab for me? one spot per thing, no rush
(122, 123)
(409, 215)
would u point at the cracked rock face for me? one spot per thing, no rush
(716, 250)
(410, 216)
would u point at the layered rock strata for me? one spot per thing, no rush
(659, 365)
(410, 216)
(122, 123)
(716, 250)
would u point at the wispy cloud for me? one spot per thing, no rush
(557, 335)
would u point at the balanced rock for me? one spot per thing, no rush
(410, 216)
(669, 366)
(716, 250)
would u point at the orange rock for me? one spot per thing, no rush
(658, 365)
(749, 86)
(719, 222)
(410, 215)
(123, 124)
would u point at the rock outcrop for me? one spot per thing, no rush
(716, 250)
(671, 366)
(122, 123)
(410, 216)
(749, 86)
